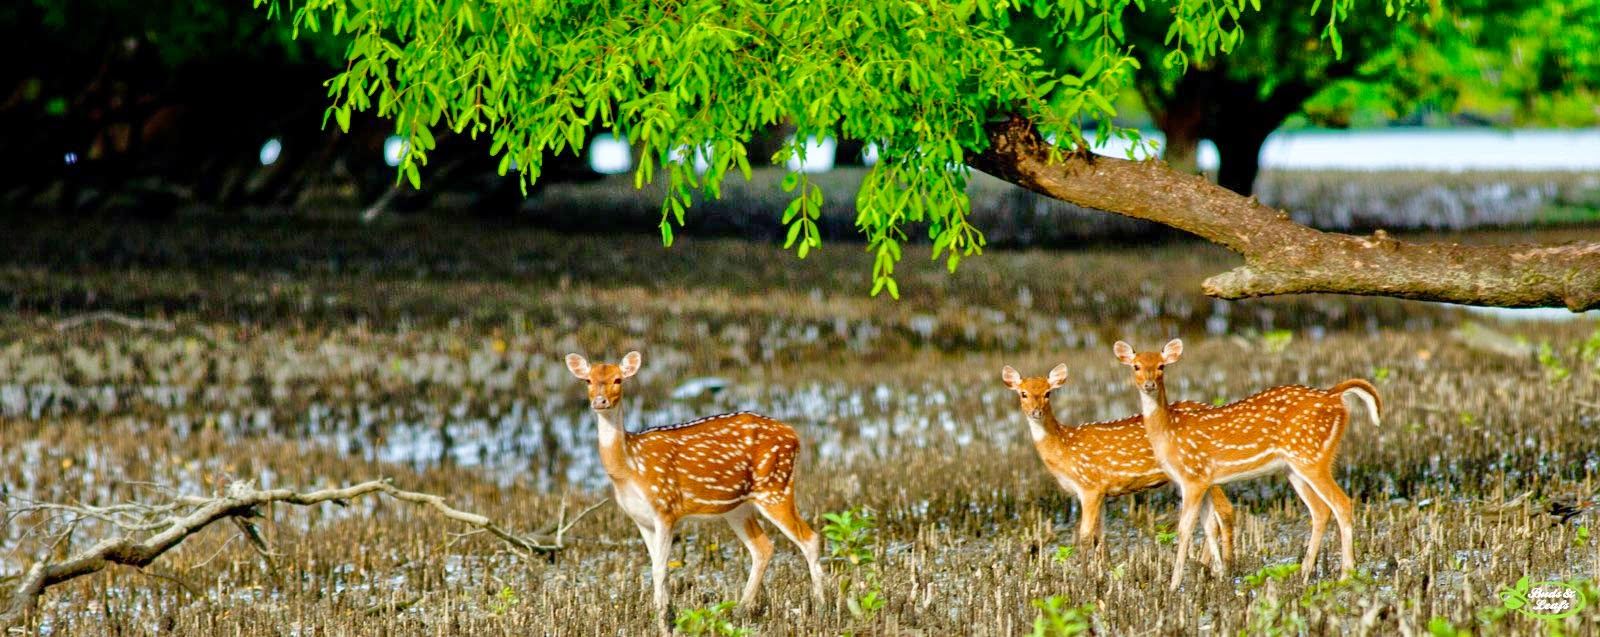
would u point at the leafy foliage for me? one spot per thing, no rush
(852, 537)
(1063, 554)
(712, 620)
(1276, 341)
(504, 601)
(1271, 572)
(1058, 619)
(1275, 614)
(920, 80)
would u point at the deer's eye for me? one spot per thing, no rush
(1136, 367)
(617, 381)
(1162, 366)
(1047, 394)
(1024, 394)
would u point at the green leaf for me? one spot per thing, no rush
(342, 117)
(413, 175)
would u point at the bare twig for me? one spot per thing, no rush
(380, 206)
(170, 578)
(113, 317)
(239, 503)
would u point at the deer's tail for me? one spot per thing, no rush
(1363, 390)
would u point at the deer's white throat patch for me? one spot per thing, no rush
(1148, 404)
(610, 431)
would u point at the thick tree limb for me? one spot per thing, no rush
(1284, 257)
(240, 503)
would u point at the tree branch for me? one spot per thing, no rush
(239, 503)
(1283, 257)
(113, 317)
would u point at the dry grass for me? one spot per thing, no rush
(430, 354)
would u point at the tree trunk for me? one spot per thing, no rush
(1182, 148)
(1283, 257)
(1182, 119)
(1239, 153)
(1240, 121)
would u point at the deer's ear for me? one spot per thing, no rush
(631, 363)
(578, 366)
(1058, 376)
(1124, 352)
(1172, 351)
(1011, 377)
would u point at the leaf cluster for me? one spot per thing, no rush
(920, 81)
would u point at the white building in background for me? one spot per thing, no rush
(610, 155)
(1452, 149)
(819, 156)
(1440, 149)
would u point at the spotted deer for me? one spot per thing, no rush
(1291, 429)
(731, 466)
(1101, 459)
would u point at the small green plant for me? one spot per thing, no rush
(1467, 418)
(1276, 341)
(1441, 627)
(712, 620)
(852, 536)
(1590, 349)
(1490, 614)
(1380, 375)
(1064, 553)
(1582, 538)
(503, 601)
(1273, 614)
(1554, 370)
(1059, 619)
(1118, 572)
(1271, 572)
(1165, 534)
(1219, 401)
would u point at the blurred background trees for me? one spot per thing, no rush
(1461, 63)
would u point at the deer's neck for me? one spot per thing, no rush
(1045, 428)
(614, 444)
(1157, 417)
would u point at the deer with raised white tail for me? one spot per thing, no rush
(734, 466)
(1291, 429)
(1100, 459)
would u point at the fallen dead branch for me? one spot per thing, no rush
(170, 523)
